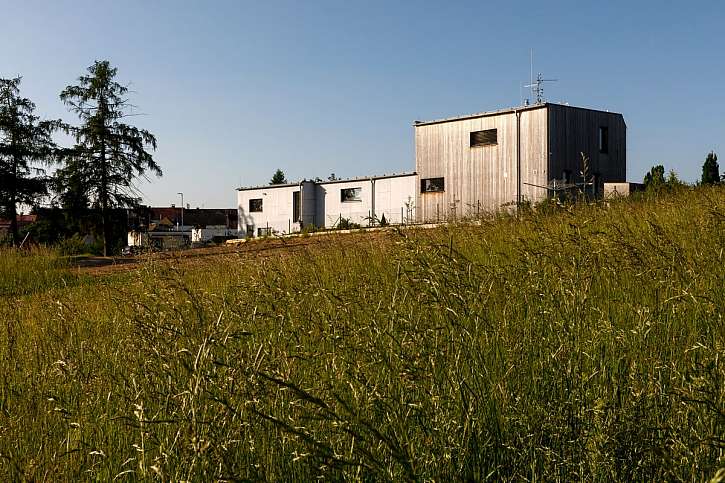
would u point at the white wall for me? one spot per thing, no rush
(276, 209)
(137, 238)
(322, 205)
(393, 195)
(330, 207)
(209, 232)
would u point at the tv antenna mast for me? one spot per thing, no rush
(537, 86)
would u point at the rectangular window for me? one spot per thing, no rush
(488, 137)
(351, 194)
(264, 231)
(432, 185)
(255, 205)
(296, 206)
(603, 139)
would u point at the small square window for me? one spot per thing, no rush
(603, 139)
(255, 205)
(432, 185)
(351, 194)
(489, 137)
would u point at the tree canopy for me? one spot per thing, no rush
(655, 178)
(26, 146)
(109, 155)
(278, 177)
(710, 170)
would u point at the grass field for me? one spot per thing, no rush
(588, 343)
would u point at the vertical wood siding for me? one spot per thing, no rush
(483, 178)
(573, 131)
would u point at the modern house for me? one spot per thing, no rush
(485, 162)
(288, 208)
(464, 166)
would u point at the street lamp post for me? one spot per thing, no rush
(182, 210)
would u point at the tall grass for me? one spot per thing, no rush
(29, 271)
(584, 344)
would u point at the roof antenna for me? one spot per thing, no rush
(537, 87)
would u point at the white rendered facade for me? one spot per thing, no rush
(323, 204)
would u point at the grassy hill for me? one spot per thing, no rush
(586, 343)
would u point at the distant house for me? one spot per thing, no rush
(22, 221)
(168, 227)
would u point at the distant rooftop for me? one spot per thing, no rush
(499, 112)
(327, 181)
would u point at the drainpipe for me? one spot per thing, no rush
(372, 185)
(518, 160)
(302, 204)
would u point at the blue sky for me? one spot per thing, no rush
(235, 89)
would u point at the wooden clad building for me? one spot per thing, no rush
(487, 162)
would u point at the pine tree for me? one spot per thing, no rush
(108, 155)
(278, 177)
(26, 145)
(710, 170)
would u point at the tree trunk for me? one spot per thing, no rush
(13, 212)
(104, 200)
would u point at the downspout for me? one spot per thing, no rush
(302, 204)
(518, 160)
(372, 203)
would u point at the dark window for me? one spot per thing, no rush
(296, 206)
(264, 231)
(596, 180)
(351, 194)
(484, 138)
(432, 185)
(255, 205)
(603, 139)
(566, 176)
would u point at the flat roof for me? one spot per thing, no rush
(345, 180)
(507, 110)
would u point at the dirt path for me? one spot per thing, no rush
(261, 247)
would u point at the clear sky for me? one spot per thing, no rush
(235, 89)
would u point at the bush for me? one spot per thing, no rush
(346, 224)
(74, 245)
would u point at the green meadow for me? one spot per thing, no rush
(580, 343)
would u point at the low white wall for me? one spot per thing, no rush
(209, 232)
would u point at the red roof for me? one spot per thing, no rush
(21, 219)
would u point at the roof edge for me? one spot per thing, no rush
(345, 180)
(508, 110)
